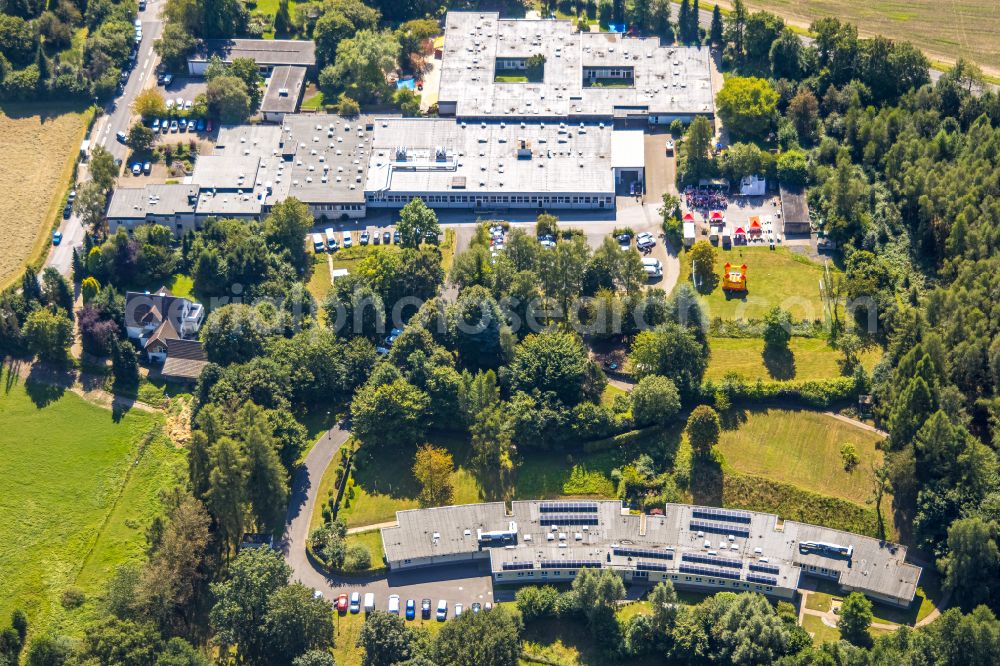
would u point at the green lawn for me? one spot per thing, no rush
(80, 491)
(314, 103)
(819, 601)
(385, 484)
(774, 277)
(813, 359)
(801, 448)
(372, 540)
(821, 633)
(550, 475)
(319, 282)
(181, 285)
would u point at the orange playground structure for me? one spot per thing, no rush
(734, 279)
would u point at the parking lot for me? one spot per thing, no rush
(465, 584)
(187, 88)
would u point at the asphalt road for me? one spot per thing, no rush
(117, 117)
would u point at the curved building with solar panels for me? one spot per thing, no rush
(704, 548)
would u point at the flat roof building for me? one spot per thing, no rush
(283, 94)
(585, 76)
(488, 165)
(794, 211)
(170, 205)
(268, 53)
(692, 546)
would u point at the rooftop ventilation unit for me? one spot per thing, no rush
(401, 153)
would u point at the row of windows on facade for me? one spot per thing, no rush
(643, 574)
(497, 198)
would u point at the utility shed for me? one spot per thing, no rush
(794, 211)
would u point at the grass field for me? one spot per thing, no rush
(80, 492)
(970, 29)
(40, 145)
(372, 540)
(802, 448)
(386, 485)
(775, 277)
(814, 359)
(319, 282)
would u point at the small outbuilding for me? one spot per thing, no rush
(283, 94)
(794, 211)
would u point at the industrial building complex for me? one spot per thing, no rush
(692, 546)
(583, 75)
(568, 134)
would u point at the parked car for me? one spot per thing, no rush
(652, 267)
(411, 609)
(138, 24)
(393, 604)
(71, 197)
(169, 104)
(318, 243)
(122, 138)
(147, 168)
(488, 607)
(183, 123)
(200, 125)
(670, 146)
(395, 237)
(137, 169)
(187, 105)
(425, 609)
(369, 602)
(173, 125)
(156, 125)
(355, 596)
(624, 242)
(458, 610)
(342, 603)
(386, 238)
(142, 5)
(168, 79)
(208, 125)
(164, 126)
(391, 338)
(476, 607)
(376, 238)
(67, 211)
(645, 240)
(365, 237)
(442, 610)
(348, 241)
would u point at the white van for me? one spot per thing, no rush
(369, 602)
(442, 611)
(318, 244)
(348, 241)
(331, 240)
(653, 267)
(394, 604)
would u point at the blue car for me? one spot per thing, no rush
(56, 239)
(411, 609)
(201, 125)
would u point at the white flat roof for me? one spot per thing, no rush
(628, 149)
(667, 80)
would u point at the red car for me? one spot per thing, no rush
(342, 604)
(420, 85)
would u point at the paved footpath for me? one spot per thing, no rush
(305, 488)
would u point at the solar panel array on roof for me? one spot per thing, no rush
(705, 558)
(567, 507)
(728, 515)
(720, 528)
(570, 564)
(766, 580)
(625, 551)
(765, 568)
(650, 566)
(513, 566)
(567, 519)
(718, 572)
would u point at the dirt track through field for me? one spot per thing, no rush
(38, 145)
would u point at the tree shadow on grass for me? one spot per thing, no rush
(780, 363)
(43, 394)
(706, 481)
(733, 418)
